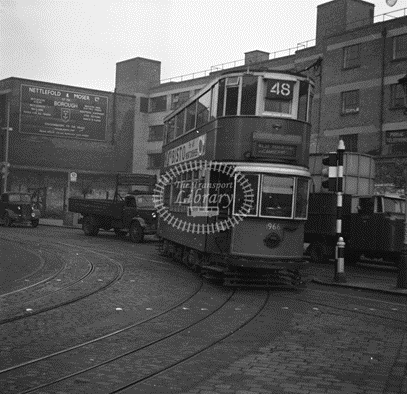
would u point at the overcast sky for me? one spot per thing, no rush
(78, 42)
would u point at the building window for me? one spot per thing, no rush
(158, 104)
(156, 133)
(179, 98)
(350, 102)
(154, 161)
(143, 104)
(350, 141)
(397, 96)
(351, 56)
(400, 47)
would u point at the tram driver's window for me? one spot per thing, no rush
(246, 191)
(277, 196)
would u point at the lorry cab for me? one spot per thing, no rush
(376, 226)
(386, 203)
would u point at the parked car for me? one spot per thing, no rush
(18, 208)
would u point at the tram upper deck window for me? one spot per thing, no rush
(232, 95)
(303, 101)
(214, 102)
(277, 196)
(179, 123)
(221, 97)
(249, 95)
(203, 108)
(190, 121)
(170, 130)
(279, 96)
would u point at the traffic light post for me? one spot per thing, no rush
(334, 183)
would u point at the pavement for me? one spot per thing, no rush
(362, 276)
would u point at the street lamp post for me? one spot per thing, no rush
(402, 272)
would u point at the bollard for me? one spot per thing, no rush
(340, 262)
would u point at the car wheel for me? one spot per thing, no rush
(136, 232)
(7, 220)
(34, 223)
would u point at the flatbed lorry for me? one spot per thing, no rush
(134, 213)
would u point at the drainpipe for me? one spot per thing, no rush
(320, 107)
(381, 119)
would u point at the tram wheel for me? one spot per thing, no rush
(136, 232)
(185, 258)
(178, 253)
(165, 248)
(194, 260)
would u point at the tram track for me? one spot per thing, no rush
(173, 325)
(33, 301)
(38, 286)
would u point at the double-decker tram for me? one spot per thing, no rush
(233, 193)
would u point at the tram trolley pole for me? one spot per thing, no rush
(340, 245)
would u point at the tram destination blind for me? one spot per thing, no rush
(266, 149)
(63, 113)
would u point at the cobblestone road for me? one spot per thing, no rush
(320, 341)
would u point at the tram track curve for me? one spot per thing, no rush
(173, 334)
(26, 314)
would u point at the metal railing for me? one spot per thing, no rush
(284, 52)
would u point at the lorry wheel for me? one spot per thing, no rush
(34, 223)
(89, 228)
(136, 232)
(317, 252)
(7, 220)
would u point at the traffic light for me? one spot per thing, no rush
(330, 172)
